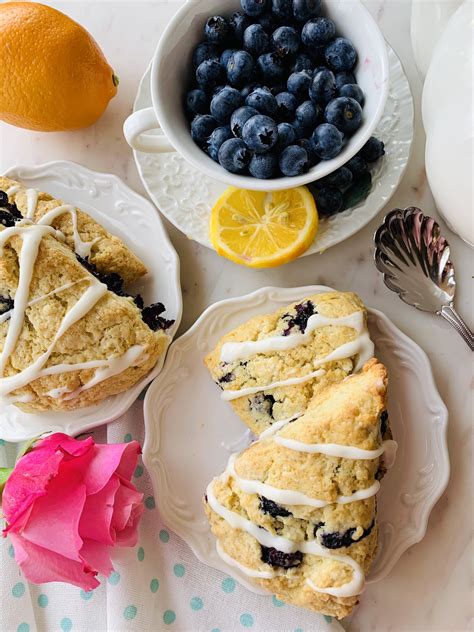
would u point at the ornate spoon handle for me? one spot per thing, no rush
(450, 314)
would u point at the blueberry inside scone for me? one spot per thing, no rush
(271, 367)
(296, 511)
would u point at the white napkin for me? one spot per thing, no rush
(158, 585)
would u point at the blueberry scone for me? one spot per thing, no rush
(270, 367)
(70, 335)
(296, 511)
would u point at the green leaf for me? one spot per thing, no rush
(4, 474)
(358, 191)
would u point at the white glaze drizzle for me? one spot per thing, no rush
(251, 572)
(337, 450)
(13, 189)
(231, 395)
(31, 202)
(83, 248)
(290, 497)
(57, 393)
(278, 425)
(232, 351)
(354, 587)
(6, 315)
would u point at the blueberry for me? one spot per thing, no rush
(226, 55)
(234, 155)
(286, 41)
(383, 422)
(338, 540)
(323, 87)
(246, 90)
(303, 62)
(278, 558)
(253, 7)
(305, 9)
(272, 508)
(341, 54)
(309, 114)
(260, 133)
(268, 21)
(305, 143)
(298, 84)
(203, 51)
(286, 135)
(9, 213)
(345, 113)
(255, 39)
(6, 304)
(239, 118)
(286, 106)
(263, 404)
(264, 165)
(340, 179)
(224, 103)
(352, 90)
(240, 68)
(271, 68)
(151, 317)
(357, 166)
(372, 150)
(262, 100)
(209, 73)
(326, 141)
(225, 379)
(202, 127)
(329, 201)
(215, 140)
(303, 313)
(237, 24)
(318, 32)
(216, 29)
(197, 102)
(293, 161)
(342, 78)
(283, 9)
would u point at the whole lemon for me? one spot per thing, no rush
(53, 75)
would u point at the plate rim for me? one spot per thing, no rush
(133, 393)
(153, 432)
(409, 120)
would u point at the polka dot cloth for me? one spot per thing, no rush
(156, 585)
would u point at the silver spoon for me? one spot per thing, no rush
(414, 259)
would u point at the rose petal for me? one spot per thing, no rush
(125, 499)
(97, 556)
(41, 565)
(129, 535)
(108, 459)
(73, 447)
(54, 519)
(95, 522)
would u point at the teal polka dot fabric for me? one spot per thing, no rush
(157, 585)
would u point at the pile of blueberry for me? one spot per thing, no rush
(349, 185)
(274, 92)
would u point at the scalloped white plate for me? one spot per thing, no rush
(190, 431)
(185, 196)
(132, 218)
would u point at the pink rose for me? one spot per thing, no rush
(67, 503)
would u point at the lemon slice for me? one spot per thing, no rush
(262, 230)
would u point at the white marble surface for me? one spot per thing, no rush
(430, 588)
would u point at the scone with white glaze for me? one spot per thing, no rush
(271, 367)
(66, 339)
(296, 511)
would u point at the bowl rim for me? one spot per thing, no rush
(204, 163)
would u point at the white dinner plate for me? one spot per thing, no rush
(190, 431)
(186, 196)
(132, 218)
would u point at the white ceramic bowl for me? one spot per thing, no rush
(170, 75)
